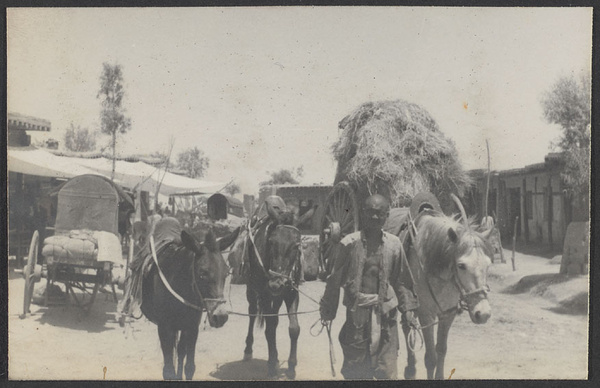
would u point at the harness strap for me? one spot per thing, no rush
(168, 286)
(251, 233)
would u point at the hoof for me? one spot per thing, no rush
(291, 374)
(409, 373)
(247, 356)
(273, 371)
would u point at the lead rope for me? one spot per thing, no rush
(412, 338)
(327, 325)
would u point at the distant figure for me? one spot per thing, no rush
(305, 220)
(487, 223)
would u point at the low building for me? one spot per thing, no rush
(534, 193)
(18, 125)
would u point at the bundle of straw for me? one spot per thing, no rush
(395, 148)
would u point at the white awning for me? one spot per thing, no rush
(139, 175)
(33, 161)
(177, 184)
(132, 175)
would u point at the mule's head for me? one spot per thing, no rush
(283, 252)
(472, 259)
(210, 272)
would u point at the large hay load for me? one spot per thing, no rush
(396, 148)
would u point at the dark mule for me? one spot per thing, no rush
(195, 272)
(274, 273)
(449, 261)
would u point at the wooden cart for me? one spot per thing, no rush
(90, 204)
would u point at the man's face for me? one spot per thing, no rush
(375, 212)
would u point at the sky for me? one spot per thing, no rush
(259, 89)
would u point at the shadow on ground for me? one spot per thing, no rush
(73, 317)
(535, 283)
(246, 370)
(535, 249)
(577, 305)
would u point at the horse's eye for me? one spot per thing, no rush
(462, 266)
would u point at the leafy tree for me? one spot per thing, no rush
(284, 176)
(232, 189)
(568, 104)
(80, 139)
(112, 115)
(193, 162)
(160, 156)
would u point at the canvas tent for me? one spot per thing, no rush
(33, 161)
(133, 175)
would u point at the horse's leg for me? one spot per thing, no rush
(167, 344)
(252, 299)
(271, 322)
(181, 351)
(442, 344)
(190, 363)
(291, 302)
(430, 354)
(410, 371)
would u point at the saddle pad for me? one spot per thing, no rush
(397, 218)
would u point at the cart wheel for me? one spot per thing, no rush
(340, 218)
(30, 273)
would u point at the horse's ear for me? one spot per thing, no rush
(210, 242)
(190, 242)
(486, 234)
(227, 241)
(452, 235)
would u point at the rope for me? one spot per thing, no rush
(327, 325)
(276, 315)
(272, 315)
(412, 339)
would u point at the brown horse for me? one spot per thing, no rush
(274, 273)
(190, 280)
(449, 261)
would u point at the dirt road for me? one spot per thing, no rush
(538, 330)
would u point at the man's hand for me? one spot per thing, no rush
(411, 319)
(326, 314)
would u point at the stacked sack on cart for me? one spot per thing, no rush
(83, 245)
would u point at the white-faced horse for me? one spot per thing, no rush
(449, 261)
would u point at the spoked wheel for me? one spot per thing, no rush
(32, 272)
(340, 218)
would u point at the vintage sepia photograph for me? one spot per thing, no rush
(298, 193)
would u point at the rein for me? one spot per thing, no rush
(251, 233)
(203, 300)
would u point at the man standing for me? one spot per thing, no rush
(370, 268)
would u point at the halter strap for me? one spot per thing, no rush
(465, 295)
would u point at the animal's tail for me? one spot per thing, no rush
(260, 318)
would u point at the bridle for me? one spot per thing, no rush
(270, 273)
(467, 297)
(203, 301)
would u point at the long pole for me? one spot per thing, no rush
(514, 244)
(114, 154)
(487, 184)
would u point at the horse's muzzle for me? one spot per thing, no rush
(218, 317)
(277, 284)
(481, 311)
